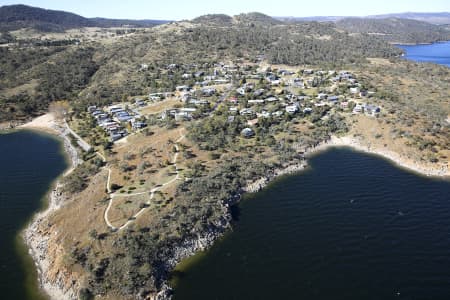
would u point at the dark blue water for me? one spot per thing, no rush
(29, 162)
(353, 226)
(438, 53)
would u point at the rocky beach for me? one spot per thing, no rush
(35, 238)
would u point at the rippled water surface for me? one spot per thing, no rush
(353, 226)
(29, 162)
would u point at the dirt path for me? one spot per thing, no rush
(151, 191)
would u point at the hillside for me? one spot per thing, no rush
(438, 18)
(256, 18)
(116, 62)
(214, 19)
(396, 30)
(13, 17)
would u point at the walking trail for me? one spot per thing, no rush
(151, 191)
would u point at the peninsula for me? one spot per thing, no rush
(168, 126)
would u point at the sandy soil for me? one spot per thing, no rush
(45, 122)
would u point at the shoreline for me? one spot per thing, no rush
(35, 240)
(193, 246)
(393, 157)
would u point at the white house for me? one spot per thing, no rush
(292, 109)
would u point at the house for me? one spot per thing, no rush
(285, 72)
(183, 88)
(233, 109)
(221, 81)
(298, 82)
(124, 118)
(358, 108)
(256, 101)
(345, 75)
(179, 113)
(247, 132)
(258, 92)
(199, 74)
(115, 109)
(97, 112)
(185, 96)
(308, 72)
(322, 96)
(137, 124)
(186, 76)
(275, 82)
(333, 99)
(371, 110)
(184, 113)
(263, 114)
(198, 102)
(354, 90)
(232, 100)
(277, 113)
(241, 91)
(115, 136)
(307, 110)
(208, 91)
(290, 97)
(140, 102)
(292, 109)
(272, 99)
(101, 117)
(246, 112)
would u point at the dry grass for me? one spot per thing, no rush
(159, 107)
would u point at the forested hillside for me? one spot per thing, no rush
(13, 17)
(396, 30)
(98, 72)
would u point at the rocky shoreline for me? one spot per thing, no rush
(396, 158)
(192, 246)
(38, 241)
(203, 241)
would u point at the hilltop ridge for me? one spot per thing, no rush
(13, 17)
(396, 30)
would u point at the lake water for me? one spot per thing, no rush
(29, 162)
(438, 53)
(352, 226)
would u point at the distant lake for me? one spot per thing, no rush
(29, 162)
(352, 226)
(438, 53)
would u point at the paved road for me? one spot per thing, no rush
(82, 143)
